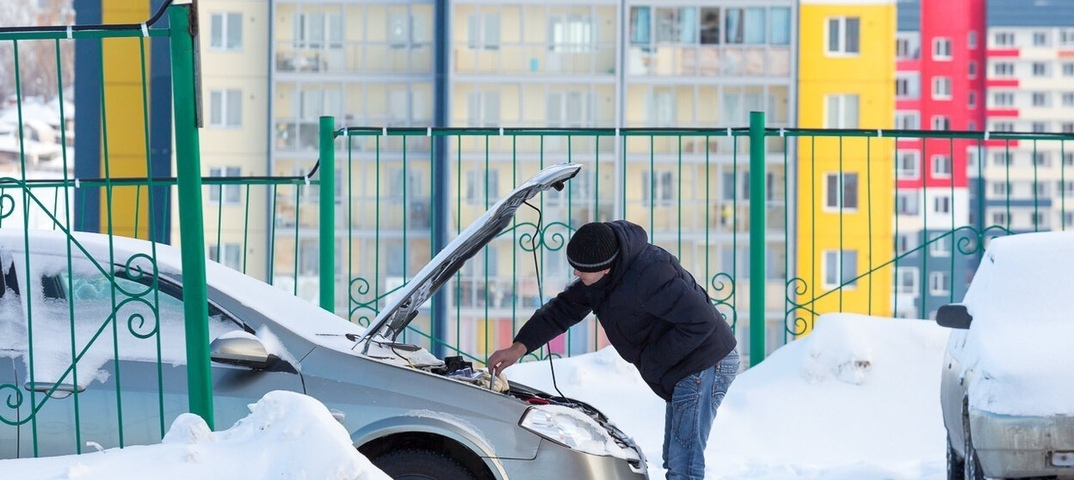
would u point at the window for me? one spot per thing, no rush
(940, 245)
(483, 108)
(482, 186)
(658, 189)
(1066, 188)
(940, 283)
(908, 165)
(1004, 39)
(906, 47)
(941, 204)
(406, 30)
(1066, 37)
(905, 242)
(940, 122)
(1042, 159)
(1001, 159)
(232, 193)
(840, 268)
(999, 218)
(971, 39)
(1003, 69)
(1040, 39)
(941, 88)
(779, 26)
(1040, 69)
(906, 85)
(972, 70)
(225, 108)
(1003, 99)
(661, 107)
(941, 48)
(973, 160)
(906, 280)
(483, 31)
(1068, 99)
(907, 203)
(971, 102)
(1068, 159)
(843, 35)
(231, 255)
(841, 191)
(1068, 69)
(1003, 127)
(842, 111)
(318, 30)
(77, 300)
(1039, 127)
(1068, 219)
(1040, 99)
(225, 31)
(571, 34)
(745, 25)
(999, 188)
(1066, 127)
(907, 120)
(941, 166)
(568, 109)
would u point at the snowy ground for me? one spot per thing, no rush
(856, 399)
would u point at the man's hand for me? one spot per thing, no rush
(501, 359)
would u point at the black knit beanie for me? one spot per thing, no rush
(592, 248)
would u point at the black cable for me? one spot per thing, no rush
(540, 290)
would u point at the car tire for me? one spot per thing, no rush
(971, 464)
(421, 465)
(956, 466)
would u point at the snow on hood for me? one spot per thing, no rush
(1021, 342)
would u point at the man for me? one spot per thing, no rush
(658, 318)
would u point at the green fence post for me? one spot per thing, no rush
(191, 220)
(757, 240)
(328, 213)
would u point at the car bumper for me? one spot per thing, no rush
(1020, 446)
(556, 458)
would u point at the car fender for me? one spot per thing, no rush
(436, 423)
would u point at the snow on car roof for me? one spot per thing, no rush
(1019, 344)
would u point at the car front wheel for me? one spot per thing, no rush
(972, 466)
(956, 467)
(421, 465)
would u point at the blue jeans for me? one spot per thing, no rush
(689, 418)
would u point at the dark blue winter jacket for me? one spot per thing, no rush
(655, 314)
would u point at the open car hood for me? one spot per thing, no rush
(399, 312)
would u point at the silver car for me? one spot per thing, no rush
(1007, 371)
(413, 414)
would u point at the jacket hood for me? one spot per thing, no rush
(404, 306)
(632, 241)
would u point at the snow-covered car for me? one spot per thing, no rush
(1007, 388)
(114, 304)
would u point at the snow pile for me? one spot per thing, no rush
(287, 435)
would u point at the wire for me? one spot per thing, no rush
(540, 290)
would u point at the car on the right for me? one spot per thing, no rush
(1007, 388)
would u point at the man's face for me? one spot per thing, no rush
(589, 278)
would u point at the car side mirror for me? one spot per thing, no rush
(954, 315)
(242, 349)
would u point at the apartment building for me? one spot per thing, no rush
(844, 184)
(940, 86)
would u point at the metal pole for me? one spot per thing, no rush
(758, 200)
(191, 220)
(328, 213)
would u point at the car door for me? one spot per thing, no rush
(111, 368)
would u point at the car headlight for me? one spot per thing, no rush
(573, 429)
